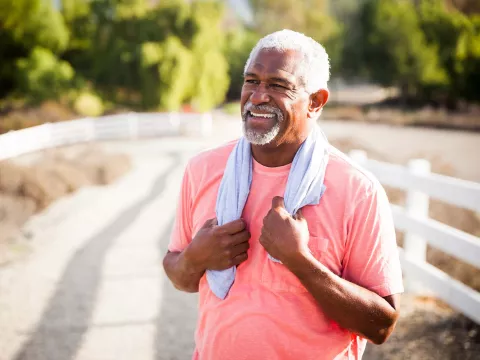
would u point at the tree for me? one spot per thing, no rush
(456, 38)
(391, 48)
(238, 45)
(42, 76)
(311, 17)
(24, 25)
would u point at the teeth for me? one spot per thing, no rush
(267, 116)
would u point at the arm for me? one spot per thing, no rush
(213, 247)
(351, 306)
(361, 300)
(181, 273)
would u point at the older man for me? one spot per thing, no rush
(278, 282)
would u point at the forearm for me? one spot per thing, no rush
(351, 306)
(181, 273)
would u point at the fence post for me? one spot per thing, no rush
(416, 205)
(206, 124)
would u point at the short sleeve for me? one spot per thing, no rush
(182, 227)
(371, 257)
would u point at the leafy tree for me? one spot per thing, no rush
(391, 48)
(210, 68)
(311, 17)
(238, 46)
(24, 25)
(42, 76)
(457, 40)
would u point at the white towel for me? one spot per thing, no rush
(304, 187)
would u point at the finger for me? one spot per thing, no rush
(299, 215)
(237, 260)
(277, 203)
(240, 237)
(233, 227)
(240, 248)
(210, 223)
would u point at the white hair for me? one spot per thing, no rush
(315, 67)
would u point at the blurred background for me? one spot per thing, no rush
(405, 84)
(67, 58)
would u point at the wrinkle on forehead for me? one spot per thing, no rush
(287, 64)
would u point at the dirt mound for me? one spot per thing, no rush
(25, 190)
(429, 330)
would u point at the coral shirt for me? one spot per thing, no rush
(268, 313)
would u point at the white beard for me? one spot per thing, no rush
(256, 138)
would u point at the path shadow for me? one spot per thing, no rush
(66, 319)
(177, 318)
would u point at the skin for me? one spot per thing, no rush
(274, 79)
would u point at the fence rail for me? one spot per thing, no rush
(122, 126)
(420, 184)
(416, 179)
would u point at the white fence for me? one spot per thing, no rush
(416, 179)
(420, 184)
(122, 126)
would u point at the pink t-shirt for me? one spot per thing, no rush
(268, 313)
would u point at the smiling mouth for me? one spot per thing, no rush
(258, 115)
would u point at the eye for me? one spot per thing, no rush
(278, 86)
(251, 81)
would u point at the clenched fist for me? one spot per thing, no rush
(284, 237)
(218, 247)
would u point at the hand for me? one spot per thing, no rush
(285, 237)
(218, 247)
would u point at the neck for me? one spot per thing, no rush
(275, 154)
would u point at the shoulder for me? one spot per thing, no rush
(212, 158)
(349, 180)
(209, 164)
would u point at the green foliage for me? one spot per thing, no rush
(160, 58)
(24, 25)
(238, 45)
(398, 42)
(424, 49)
(88, 104)
(210, 68)
(42, 76)
(310, 17)
(164, 54)
(457, 40)
(166, 74)
(33, 23)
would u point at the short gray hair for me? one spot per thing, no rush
(316, 64)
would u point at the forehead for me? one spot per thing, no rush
(269, 63)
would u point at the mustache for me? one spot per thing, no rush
(265, 108)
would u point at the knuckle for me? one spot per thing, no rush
(217, 231)
(224, 242)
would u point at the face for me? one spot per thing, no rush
(274, 102)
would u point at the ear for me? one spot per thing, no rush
(317, 102)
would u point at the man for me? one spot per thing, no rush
(337, 278)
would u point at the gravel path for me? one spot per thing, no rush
(93, 287)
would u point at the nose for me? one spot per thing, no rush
(259, 96)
